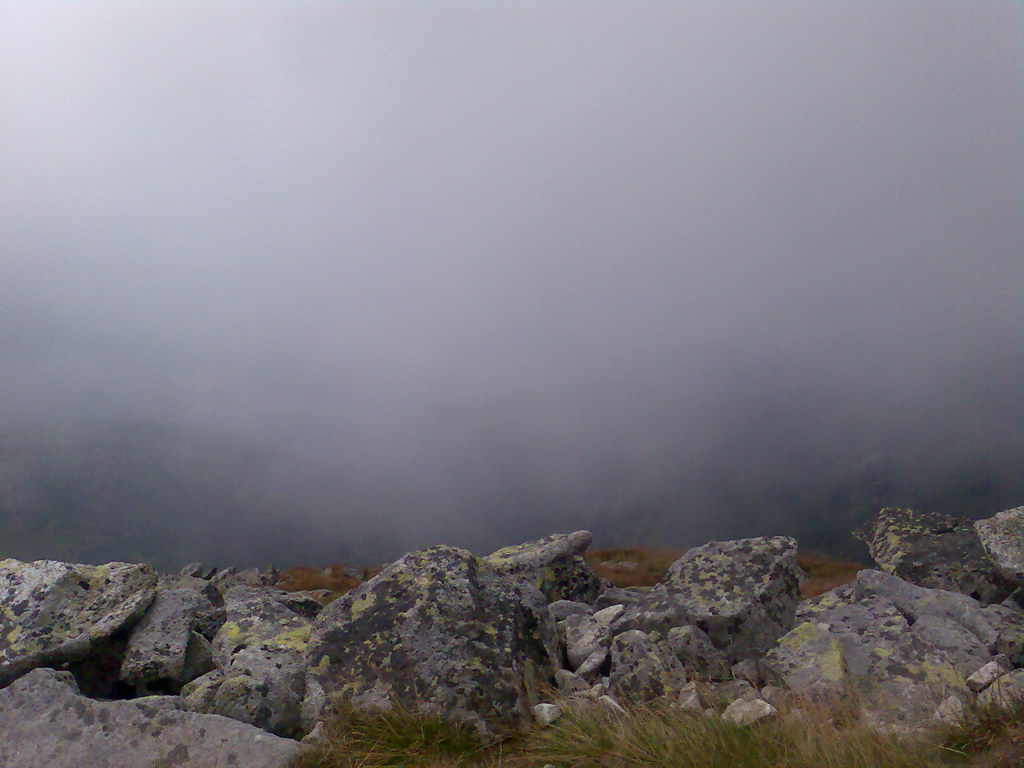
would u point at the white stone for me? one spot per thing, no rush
(744, 712)
(546, 714)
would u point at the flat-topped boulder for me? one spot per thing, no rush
(44, 721)
(1002, 537)
(934, 550)
(742, 594)
(54, 613)
(555, 565)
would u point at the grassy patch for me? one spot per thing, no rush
(993, 737)
(652, 737)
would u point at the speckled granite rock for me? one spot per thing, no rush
(1002, 537)
(54, 613)
(742, 593)
(644, 669)
(261, 675)
(555, 565)
(438, 631)
(45, 722)
(902, 648)
(936, 551)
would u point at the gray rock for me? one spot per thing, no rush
(45, 722)
(569, 683)
(593, 663)
(698, 655)
(259, 649)
(198, 571)
(54, 613)
(157, 647)
(867, 647)
(749, 670)
(988, 674)
(643, 668)
(745, 712)
(440, 632)
(935, 551)
(561, 609)
(1007, 691)
(731, 690)
(555, 565)
(689, 698)
(307, 603)
(951, 711)
(1002, 537)
(634, 597)
(611, 705)
(583, 635)
(262, 687)
(743, 594)
(546, 714)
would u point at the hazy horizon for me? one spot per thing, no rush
(488, 271)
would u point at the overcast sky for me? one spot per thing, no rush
(339, 224)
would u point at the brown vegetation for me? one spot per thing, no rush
(336, 578)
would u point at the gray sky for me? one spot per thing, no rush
(602, 228)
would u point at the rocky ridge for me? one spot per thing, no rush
(116, 665)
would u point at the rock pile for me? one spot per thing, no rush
(116, 665)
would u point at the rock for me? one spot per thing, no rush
(610, 704)
(593, 664)
(689, 698)
(644, 668)
(307, 603)
(867, 647)
(628, 596)
(440, 632)
(555, 565)
(698, 655)
(743, 594)
(155, 659)
(562, 609)
(45, 722)
(263, 687)
(988, 674)
(748, 670)
(54, 613)
(730, 691)
(583, 635)
(951, 711)
(1006, 692)
(777, 697)
(608, 616)
(197, 571)
(569, 683)
(546, 714)
(259, 649)
(745, 712)
(935, 551)
(1002, 538)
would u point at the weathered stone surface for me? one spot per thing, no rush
(988, 674)
(262, 687)
(1006, 691)
(45, 722)
(698, 655)
(54, 613)
(546, 714)
(437, 631)
(742, 593)
(934, 550)
(902, 648)
(555, 565)
(569, 683)
(561, 609)
(157, 647)
(259, 649)
(744, 712)
(583, 634)
(1002, 537)
(643, 668)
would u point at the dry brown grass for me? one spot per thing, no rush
(824, 573)
(332, 577)
(645, 567)
(632, 566)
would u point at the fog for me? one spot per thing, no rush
(495, 270)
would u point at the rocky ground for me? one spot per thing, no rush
(118, 666)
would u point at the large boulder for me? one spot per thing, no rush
(45, 722)
(438, 631)
(54, 613)
(259, 650)
(743, 594)
(555, 565)
(934, 550)
(901, 649)
(164, 650)
(1002, 537)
